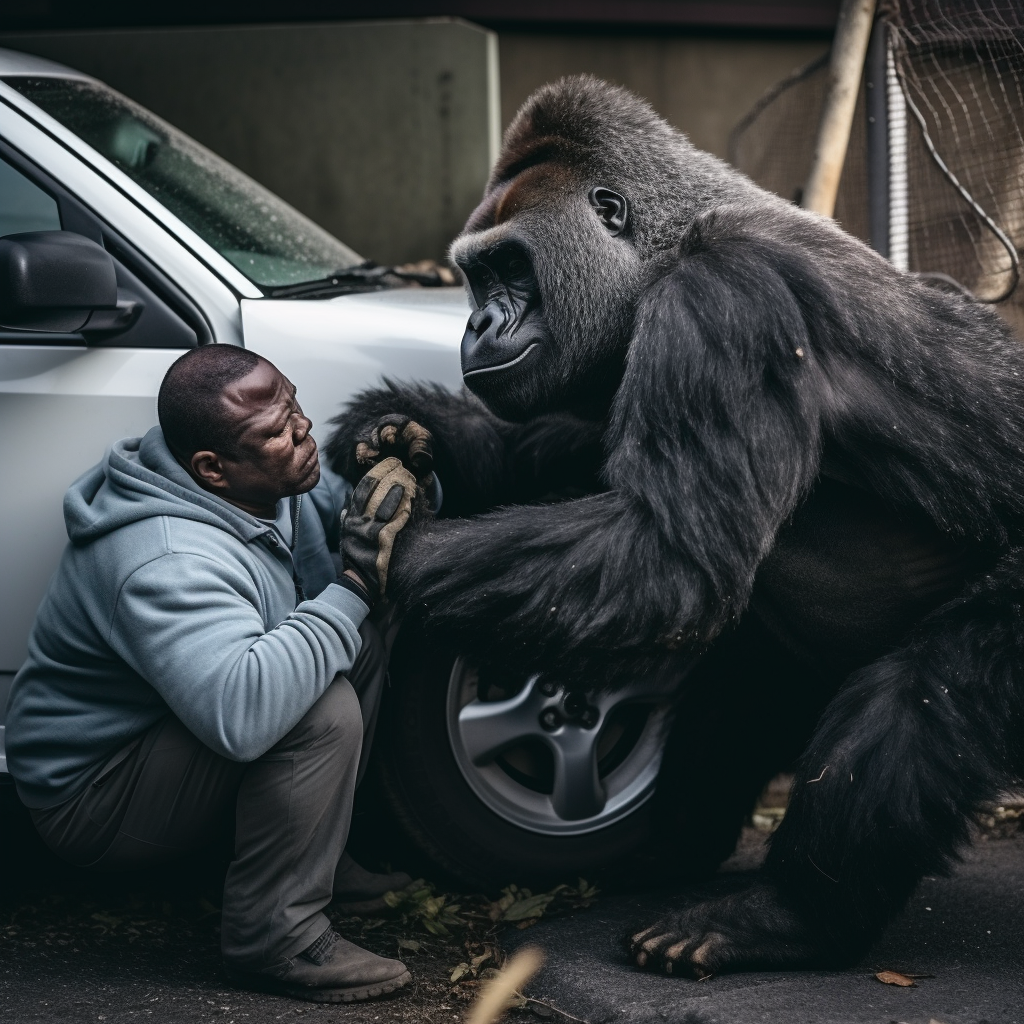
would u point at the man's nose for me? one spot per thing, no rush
(302, 428)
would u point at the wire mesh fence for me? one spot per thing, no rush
(934, 173)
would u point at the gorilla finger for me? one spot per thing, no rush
(634, 941)
(387, 429)
(647, 951)
(421, 463)
(703, 958)
(673, 957)
(671, 945)
(637, 937)
(413, 432)
(389, 506)
(364, 453)
(654, 943)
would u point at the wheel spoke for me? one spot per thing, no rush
(578, 792)
(651, 688)
(573, 799)
(489, 727)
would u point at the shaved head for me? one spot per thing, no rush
(191, 408)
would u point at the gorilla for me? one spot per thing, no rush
(702, 424)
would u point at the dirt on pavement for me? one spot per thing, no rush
(79, 947)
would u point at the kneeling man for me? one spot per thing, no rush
(199, 657)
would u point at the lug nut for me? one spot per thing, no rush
(589, 718)
(548, 687)
(550, 719)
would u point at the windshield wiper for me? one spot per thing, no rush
(369, 277)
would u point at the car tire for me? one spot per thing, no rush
(454, 828)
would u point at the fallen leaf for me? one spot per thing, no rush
(530, 907)
(895, 978)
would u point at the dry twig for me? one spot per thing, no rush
(496, 993)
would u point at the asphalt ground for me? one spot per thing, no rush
(76, 947)
(80, 947)
(966, 931)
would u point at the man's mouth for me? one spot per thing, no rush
(311, 463)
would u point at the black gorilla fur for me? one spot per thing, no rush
(775, 441)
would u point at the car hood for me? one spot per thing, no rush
(332, 349)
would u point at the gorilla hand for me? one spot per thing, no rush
(397, 436)
(750, 930)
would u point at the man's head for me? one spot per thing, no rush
(231, 419)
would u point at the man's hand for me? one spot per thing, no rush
(380, 506)
(397, 436)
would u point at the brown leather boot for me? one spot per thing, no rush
(358, 891)
(331, 970)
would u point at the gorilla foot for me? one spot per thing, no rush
(750, 930)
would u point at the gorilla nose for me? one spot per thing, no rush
(485, 343)
(480, 318)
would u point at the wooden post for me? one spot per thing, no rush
(849, 49)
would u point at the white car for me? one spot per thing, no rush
(203, 255)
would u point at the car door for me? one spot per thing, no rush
(64, 398)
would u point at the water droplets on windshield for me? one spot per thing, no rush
(267, 240)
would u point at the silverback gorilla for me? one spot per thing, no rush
(701, 420)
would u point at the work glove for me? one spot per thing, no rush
(379, 507)
(397, 436)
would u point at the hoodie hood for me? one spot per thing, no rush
(139, 478)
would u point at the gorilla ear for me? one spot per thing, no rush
(611, 208)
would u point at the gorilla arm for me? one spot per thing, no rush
(482, 461)
(713, 440)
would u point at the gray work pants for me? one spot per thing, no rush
(169, 794)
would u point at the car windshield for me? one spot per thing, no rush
(267, 240)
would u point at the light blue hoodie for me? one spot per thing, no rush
(168, 598)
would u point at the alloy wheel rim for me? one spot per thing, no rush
(598, 754)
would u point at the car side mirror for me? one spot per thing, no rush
(60, 282)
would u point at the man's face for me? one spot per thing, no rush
(278, 456)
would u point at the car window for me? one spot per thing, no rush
(24, 206)
(163, 316)
(267, 240)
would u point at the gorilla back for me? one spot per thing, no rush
(767, 422)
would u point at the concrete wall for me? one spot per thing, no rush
(702, 85)
(383, 132)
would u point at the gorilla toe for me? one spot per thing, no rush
(751, 930)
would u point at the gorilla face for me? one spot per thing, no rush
(508, 346)
(511, 356)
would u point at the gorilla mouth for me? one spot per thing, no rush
(476, 371)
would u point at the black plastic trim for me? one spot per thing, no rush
(75, 216)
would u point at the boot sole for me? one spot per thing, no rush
(347, 994)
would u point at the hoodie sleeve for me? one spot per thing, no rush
(202, 645)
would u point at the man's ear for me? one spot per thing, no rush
(611, 208)
(208, 469)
